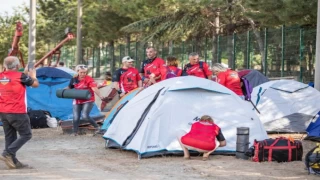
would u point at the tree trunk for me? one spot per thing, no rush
(310, 57)
(127, 49)
(230, 30)
(215, 38)
(259, 39)
(170, 47)
(261, 48)
(113, 60)
(245, 60)
(98, 64)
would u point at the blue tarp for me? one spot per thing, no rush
(44, 97)
(313, 130)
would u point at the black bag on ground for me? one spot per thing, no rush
(279, 149)
(38, 118)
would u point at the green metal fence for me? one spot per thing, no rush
(283, 52)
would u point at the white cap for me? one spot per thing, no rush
(127, 59)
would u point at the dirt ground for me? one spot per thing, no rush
(58, 156)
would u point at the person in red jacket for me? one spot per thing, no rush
(204, 136)
(84, 82)
(150, 69)
(171, 69)
(196, 67)
(228, 78)
(126, 78)
(13, 109)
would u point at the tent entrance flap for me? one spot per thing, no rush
(140, 121)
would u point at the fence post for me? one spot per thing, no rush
(93, 62)
(248, 49)
(218, 49)
(205, 49)
(265, 51)
(182, 54)
(120, 53)
(136, 54)
(301, 49)
(98, 62)
(144, 52)
(106, 60)
(234, 51)
(128, 48)
(162, 49)
(282, 49)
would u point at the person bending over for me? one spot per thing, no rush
(205, 136)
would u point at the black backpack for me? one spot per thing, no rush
(312, 160)
(38, 118)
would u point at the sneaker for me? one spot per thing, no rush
(20, 165)
(7, 158)
(74, 134)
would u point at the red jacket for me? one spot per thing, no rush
(129, 80)
(152, 66)
(13, 92)
(195, 70)
(87, 83)
(231, 80)
(164, 71)
(201, 136)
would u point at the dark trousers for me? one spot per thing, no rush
(85, 109)
(13, 123)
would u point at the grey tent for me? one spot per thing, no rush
(254, 77)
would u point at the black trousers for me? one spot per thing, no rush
(13, 124)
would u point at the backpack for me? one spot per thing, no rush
(312, 160)
(246, 88)
(171, 74)
(184, 72)
(38, 118)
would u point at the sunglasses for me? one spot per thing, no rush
(83, 67)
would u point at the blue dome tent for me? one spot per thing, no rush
(44, 97)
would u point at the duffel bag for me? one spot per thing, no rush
(279, 149)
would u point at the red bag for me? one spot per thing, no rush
(279, 149)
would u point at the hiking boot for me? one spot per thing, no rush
(7, 158)
(20, 165)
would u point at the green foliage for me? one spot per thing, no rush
(7, 29)
(278, 12)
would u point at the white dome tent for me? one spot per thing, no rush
(286, 105)
(150, 122)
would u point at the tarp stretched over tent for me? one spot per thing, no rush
(44, 97)
(150, 122)
(254, 77)
(313, 129)
(286, 105)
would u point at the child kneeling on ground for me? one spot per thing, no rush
(204, 136)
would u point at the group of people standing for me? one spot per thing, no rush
(155, 69)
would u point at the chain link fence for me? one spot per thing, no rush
(286, 52)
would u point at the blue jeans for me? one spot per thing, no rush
(13, 123)
(85, 108)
